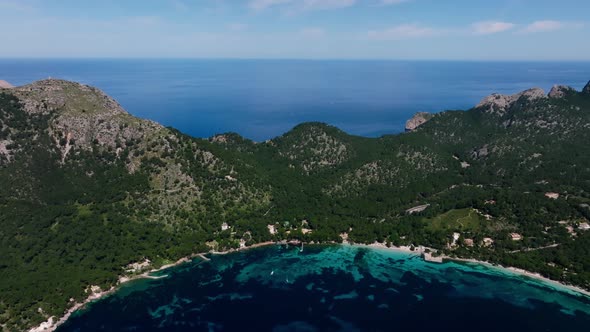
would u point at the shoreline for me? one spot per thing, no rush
(572, 289)
(420, 251)
(51, 325)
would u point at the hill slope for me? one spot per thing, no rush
(87, 189)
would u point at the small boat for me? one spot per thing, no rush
(301, 250)
(272, 272)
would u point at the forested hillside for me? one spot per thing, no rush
(86, 190)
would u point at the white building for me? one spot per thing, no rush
(552, 195)
(272, 229)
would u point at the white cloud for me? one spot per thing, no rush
(404, 31)
(411, 31)
(543, 26)
(491, 27)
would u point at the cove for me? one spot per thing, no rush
(334, 288)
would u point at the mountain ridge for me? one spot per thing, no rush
(87, 189)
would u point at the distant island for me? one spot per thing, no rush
(91, 196)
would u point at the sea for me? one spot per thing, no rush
(335, 288)
(262, 99)
(322, 288)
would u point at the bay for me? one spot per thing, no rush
(335, 288)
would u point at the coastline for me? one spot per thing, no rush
(420, 251)
(51, 325)
(574, 290)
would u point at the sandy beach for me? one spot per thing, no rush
(573, 289)
(257, 245)
(51, 324)
(421, 250)
(404, 249)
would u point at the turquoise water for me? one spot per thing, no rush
(335, 288)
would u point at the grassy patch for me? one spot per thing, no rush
(459, 220)
(84, 211)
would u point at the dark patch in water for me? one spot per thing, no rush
(336, 302)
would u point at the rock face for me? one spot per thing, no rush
(499, 104)
(586, 89)
(5, 85)
(50, 95)
(417, 120)
(81, 121)
(82, 115)
(560, 91)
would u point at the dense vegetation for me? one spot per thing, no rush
(86, 189)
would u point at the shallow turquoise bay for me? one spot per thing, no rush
(335, 288)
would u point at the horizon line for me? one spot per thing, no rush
(292, 59)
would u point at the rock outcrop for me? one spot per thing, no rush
(47, 96)
(417, 120)
(586, 89)
(560, 91)
(5, 85)
(83, 116)
(500, 104)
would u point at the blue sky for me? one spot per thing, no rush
(306, 29)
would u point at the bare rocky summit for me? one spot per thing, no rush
(83, 116)
(500, 104)
(5, 85)
(560, 91)
(417, 120)
(50, 95)
(84, 120)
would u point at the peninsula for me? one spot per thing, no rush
(90, 194)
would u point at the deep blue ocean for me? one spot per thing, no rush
(335, 288)
(261, 99)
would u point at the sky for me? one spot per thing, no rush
(500, 30)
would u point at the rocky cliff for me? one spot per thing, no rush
(561, 91)
(417, 120)
(500, 104)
